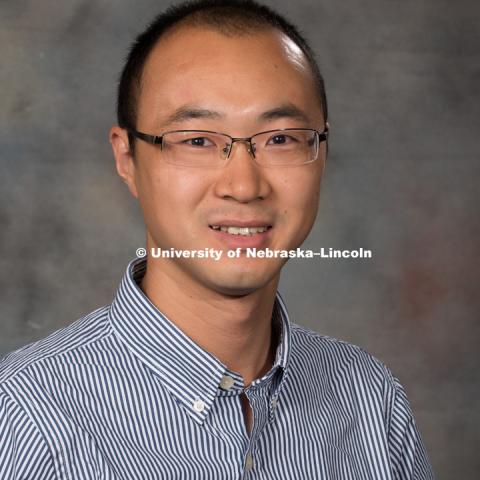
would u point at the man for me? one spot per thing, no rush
(195, 370)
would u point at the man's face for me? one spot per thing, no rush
(240, 78)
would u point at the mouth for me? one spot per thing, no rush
(243, 231)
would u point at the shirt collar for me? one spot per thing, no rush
(190, 373)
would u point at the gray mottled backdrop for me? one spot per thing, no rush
(403, 80)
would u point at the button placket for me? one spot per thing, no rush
(249, 462)
(273, 407)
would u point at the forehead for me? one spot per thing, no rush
(199, 64)
(187, 41)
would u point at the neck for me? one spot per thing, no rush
(235, 329)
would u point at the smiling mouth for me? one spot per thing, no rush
(244, 231)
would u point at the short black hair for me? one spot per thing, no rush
(230, 17)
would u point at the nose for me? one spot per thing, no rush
(241, 178)
(246, 141)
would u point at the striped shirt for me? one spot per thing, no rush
(123, 393)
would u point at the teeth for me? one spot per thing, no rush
(240, 230)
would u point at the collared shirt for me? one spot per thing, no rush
(123, 393)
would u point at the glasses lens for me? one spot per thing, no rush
(286, 147)
(195, 148)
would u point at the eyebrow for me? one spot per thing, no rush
(188, 112)
(286, 110)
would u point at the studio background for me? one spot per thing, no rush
(402, 179)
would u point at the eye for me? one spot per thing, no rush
(199, 142)
(280, 139)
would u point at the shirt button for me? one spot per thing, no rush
(199, 405)
(274, 403)
(226, 382)
(249, 462)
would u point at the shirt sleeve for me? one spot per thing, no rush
(24, 454)
(407, 451)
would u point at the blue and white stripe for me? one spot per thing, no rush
(124, 394)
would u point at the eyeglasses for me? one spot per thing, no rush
(204, 148)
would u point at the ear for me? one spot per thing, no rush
(327, 125)
(124, 160)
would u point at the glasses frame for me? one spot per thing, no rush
(322, 136)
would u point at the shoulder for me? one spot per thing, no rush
(76, 336)
(336, 360)
(309, 343)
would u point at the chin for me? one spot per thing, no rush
(239, 283)
(235, 291)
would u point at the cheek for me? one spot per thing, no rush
(168, 194)
(172, 186)
(301, 191)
